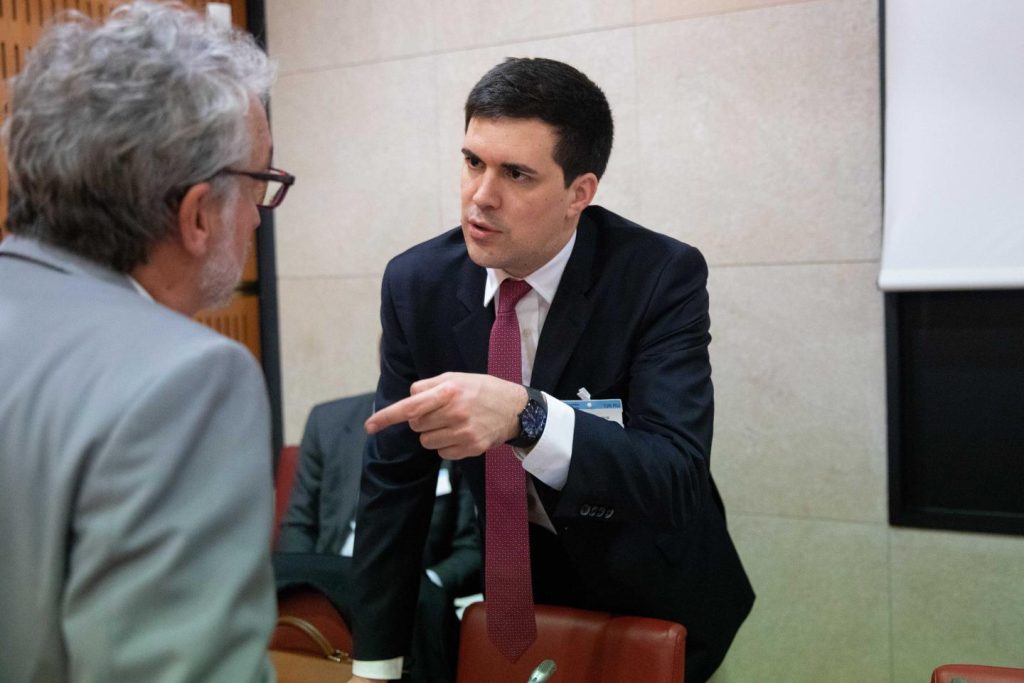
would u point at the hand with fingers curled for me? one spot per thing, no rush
(457, 414)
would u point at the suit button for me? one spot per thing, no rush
(585, 510)
(609, 513)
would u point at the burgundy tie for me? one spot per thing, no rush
(510, 622)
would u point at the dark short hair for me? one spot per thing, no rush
(557, 94)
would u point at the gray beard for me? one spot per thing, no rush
(220, 275)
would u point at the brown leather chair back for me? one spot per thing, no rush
(284, 478)
(587, 647)
(974, 673)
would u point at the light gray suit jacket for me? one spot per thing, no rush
(135, 484)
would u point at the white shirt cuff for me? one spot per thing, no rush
(549, 459)
(381, 669)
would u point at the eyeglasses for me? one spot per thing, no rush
(275, 185)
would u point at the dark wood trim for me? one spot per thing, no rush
(255, 12)
(893, 404)
(270, 341)
(270, 344)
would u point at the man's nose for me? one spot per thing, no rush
(486, 194)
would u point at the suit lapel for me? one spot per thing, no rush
(570, 311)
(473, 331)
(348, 443)
(350, 477)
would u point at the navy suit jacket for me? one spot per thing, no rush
(640, 524)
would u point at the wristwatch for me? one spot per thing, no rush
(531, 420)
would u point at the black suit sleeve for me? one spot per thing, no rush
(300, 522)
(395, 504)
(460, 571)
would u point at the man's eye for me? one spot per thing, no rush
(515, 174)
(473, 162)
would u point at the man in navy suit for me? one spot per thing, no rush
(623, 517)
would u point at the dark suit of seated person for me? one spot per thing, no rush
(316, 538)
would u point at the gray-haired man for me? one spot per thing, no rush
(135, 492)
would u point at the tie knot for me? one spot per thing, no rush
(511, 292)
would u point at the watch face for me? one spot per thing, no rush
(532, 420)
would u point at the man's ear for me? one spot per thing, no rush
(582, 193)
(194, 229)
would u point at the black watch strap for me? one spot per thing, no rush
(532, 420)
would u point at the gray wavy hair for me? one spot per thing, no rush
(111, 123)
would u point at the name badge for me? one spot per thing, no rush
(608, 408)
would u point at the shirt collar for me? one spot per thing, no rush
(139, 288)
(544, 280)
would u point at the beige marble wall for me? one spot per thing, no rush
(749, 128)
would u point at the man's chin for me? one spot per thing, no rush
(481, 257)
(220, 301)
(220, 288)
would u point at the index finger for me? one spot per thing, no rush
(406, 409)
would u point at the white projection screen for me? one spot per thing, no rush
(954, 145)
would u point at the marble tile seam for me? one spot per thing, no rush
(787, 264)
(283, 73)
(725, 265)
(735, 10)
(732, 514)
(330, 276)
